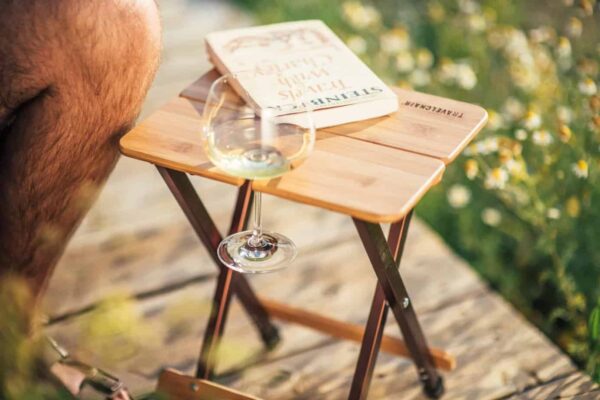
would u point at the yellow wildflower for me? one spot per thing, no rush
(573, 207)
(504, 155)
(435, 11)
(564, 133)
(471, 168)
(595, 103)
(516, 148)
(587, 7)
(574, 27)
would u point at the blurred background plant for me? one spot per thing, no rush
(21, 346)
(521, 204)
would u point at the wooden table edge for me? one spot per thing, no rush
(161, 162)
(352, 212)
(469, 138)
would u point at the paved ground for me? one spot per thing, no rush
(136, 242)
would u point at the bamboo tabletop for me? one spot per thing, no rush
(376, 170)
(424, 124)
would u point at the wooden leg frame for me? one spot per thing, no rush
(390, 293)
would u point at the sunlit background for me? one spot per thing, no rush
(521, 204)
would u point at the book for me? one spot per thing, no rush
(271, 64)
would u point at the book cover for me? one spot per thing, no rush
(282, 65)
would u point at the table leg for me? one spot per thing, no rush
(377, 317)
(222, 297)
(398, 300)
(203, 225)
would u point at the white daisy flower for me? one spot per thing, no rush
(542, 138)
(563, 49)
(512, 109)
(496, 179)
(458, 196)
(420, 77)
(424, 58)
(357, 44)
(553, 213)
(565, 114)
(542, 34)
(521, 134)
(468, 6)
(394, 41)
(495, 121)
(532, 120)
(476, 23)
(465, 76)
(587, 87)
(491, 216)
(405, 61)
(515, 167)
(580, 169)
(359, 15)
(491, 145)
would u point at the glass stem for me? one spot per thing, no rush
(256, 238)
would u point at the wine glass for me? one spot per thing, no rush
(242, 143)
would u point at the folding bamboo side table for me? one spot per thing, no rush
(374, 171)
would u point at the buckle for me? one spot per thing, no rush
(98, 380)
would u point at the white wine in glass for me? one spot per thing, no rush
(251, 146)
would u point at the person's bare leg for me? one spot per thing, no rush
(73, 75)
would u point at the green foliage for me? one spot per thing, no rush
(20, 349)
(593, 363)
(521, 204)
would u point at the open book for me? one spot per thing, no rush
(283, 65)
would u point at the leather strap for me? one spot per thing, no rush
(84, 381)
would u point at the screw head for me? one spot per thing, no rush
(405, 302)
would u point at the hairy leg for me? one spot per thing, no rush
(73, 75)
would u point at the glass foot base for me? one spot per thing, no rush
(272, 253)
